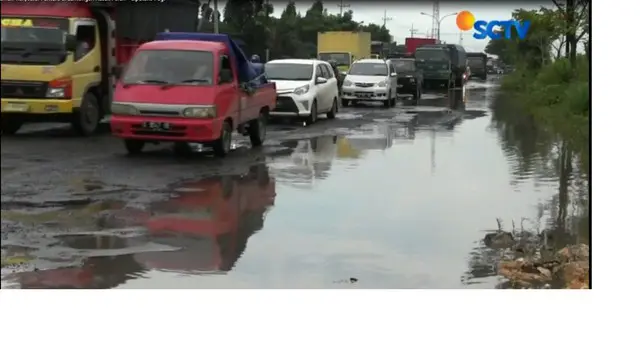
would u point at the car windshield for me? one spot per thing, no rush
(404, 65)
(339, 58)
(369, 69)
(288, 71)
(435, 54)
(189, 67)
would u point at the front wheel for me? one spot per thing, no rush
(86, 121)
(222, 146)
(134, 147)
(258, 130)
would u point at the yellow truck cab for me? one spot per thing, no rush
(60, 60)
(344, 47)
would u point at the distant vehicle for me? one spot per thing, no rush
(345, 47)
(434, 62)
(409, 78)
(478, 65)
(306, 88)
(411, 43)
(172, 92)
(458, 57)
(371, 80)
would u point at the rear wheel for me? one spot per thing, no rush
(86, 121)
(334, 110)
(222, 146)
(10, 126)
(258, 129)
(134, 147)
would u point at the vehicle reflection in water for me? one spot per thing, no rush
(205, 228)
(211, 220)
(309, 161)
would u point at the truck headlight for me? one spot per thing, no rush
(383, 83)
(56, 93)
(301, 90)
(123, 109)
(200, 112)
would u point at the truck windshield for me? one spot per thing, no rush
(33, 45)
(170, 67)
(369, 69)
(404, 65)
(288, 71)
(340, 58)
(436, 54)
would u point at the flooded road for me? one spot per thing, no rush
(379, 198)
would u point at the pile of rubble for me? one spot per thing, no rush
(529, 262)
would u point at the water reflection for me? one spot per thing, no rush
(204, 228)
(537, 156)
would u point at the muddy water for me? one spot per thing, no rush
(399, 202)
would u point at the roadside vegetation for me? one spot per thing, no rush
(544, 124)
(293, 34)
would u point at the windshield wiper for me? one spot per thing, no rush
(149, 81)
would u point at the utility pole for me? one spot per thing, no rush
(385, 19)
(413, 31)
(216, 18)
(435, 15)
(343, 6)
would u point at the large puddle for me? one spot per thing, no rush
(400, 202)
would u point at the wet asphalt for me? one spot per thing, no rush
(377, 198)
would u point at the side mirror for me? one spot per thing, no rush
(321, 80)
(394, 74)
(70, 42)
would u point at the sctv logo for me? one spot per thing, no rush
(466, 21)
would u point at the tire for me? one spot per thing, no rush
(87, 120)
(11, 126)
(313, 114)
(222, 146)
(345, 103)
(258, 129)
(134, 147)
(387, 103)
(334, 109)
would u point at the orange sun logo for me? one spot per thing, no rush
(465, 20)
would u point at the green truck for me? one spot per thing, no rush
(441, 64)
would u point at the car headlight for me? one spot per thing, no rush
(383, 83)
(301, 90)
(123, 109)
(55, 92)
(200, 112)
(347, 83)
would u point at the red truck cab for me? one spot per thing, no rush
(190, 88)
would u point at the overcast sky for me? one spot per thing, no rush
(404, 15)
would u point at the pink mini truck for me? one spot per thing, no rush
(190, 88)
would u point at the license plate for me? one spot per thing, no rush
(16, 107)
(156, 126)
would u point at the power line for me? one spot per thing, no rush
(343, 6)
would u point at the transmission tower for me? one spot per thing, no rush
(385, 19)
(435, 27)
(342, 6)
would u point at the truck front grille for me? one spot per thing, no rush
(23, 89)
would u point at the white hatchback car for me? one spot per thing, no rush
(305, 88)
(371, 80)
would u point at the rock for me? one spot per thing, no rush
(573, 253)
(521, 272)
(574, 275)
(500, 239)
(544, 271)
